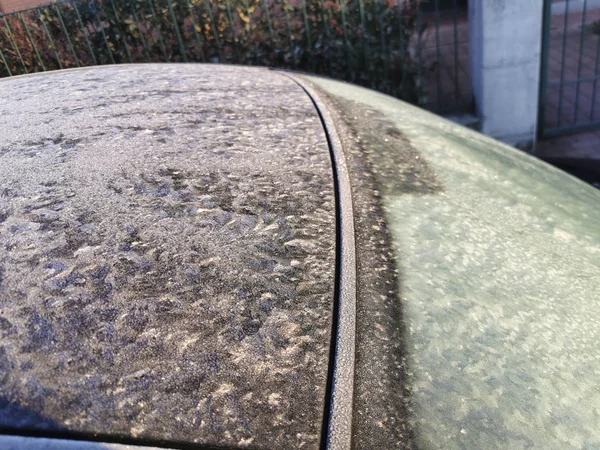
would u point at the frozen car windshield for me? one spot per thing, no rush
(498, 259)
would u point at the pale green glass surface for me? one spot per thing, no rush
(500, 288)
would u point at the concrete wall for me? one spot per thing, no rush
(505, 49)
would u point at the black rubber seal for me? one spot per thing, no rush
(337, 418)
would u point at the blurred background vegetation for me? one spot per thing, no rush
(374, 43)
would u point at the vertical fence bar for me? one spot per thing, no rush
(349, 65)
(196, 33)
(5, 63)
(384, 53)
(104, 38)
(142, 38)
(544, 67)
(35, 49)
(249, 15)
(437, 55)
(592, 115)
(419, 55)
(49, 36)
(327, 35)
(12, 39)
(269, 25)
(289, 31)
(118, 26)
(581, 35)
(455, 25)
(62, 24)
(85, 32)
(562, 64)
(402, 50)
(177, 32)
(307, 32)
(233, 33)
(363, 32)
(214, 29)
(158, 33)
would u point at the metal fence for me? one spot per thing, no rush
(414, 50)
(570, 90)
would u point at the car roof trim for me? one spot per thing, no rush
(337, 430)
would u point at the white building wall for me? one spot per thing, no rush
(505, 48)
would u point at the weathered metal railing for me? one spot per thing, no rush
(399, 47)
(570, 94)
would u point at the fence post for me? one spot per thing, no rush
(85, 32)
(213, 27)
(159, 36)
(505, 53)
(177, 32)
(12, 38)
(5, 63)
(66, 32)
(35, 49)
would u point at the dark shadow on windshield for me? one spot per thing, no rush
(382, 163)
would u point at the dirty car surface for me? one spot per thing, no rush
(236, 257)
(167, 256)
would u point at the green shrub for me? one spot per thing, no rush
(364, 41)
